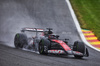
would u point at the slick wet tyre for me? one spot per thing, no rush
(41, 48)
(20, 40)
(80, 47)
(44, 46)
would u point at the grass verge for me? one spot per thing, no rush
(88, 14)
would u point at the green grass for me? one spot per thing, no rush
(88, 14)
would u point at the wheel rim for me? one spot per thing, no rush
(40, 48)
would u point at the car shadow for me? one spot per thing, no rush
(65, 56)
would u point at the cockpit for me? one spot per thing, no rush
(53, 36)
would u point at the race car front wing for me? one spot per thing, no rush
(67, 52)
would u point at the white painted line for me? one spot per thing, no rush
(78, 26)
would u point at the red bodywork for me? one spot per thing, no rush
(63, 44)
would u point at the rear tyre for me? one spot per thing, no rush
(80, 47)
(20, 40)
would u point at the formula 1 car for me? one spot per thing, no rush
(46, 42)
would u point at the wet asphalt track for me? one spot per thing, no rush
(16, 14)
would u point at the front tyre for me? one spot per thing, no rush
(44, 45)
(41, 48)
(80, 47)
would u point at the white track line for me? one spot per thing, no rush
(78, 26)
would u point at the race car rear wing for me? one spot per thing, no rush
(32, 29)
